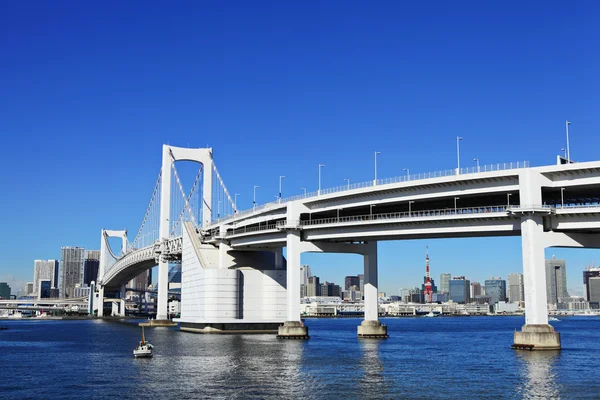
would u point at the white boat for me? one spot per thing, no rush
(431, 314)
(553, 319)
(143, 349)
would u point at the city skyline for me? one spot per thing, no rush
(402, 89)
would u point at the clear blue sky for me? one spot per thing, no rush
(89, 93)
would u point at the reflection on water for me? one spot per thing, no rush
(373, 382)
(540, 377)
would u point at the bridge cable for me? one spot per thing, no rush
(148, 210)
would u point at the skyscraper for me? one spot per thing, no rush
(460, 289)
(44, 270)
(71, 271)
(475, 289)
(495, 289)
(591, 285)
(4, 290)
(516, 290)
(445, 283)
(313, 288)
(304, 274)
(90, 266)
(556, 281)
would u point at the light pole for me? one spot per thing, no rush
(371, 212)
(219, 209)
(375, 180)
(567, 123)
(476, 163)
(407, 174)
(235, 201)
(320, 166)
(304, 189)
(564, 153)
(409, 209)
(458, 139)
(280, 178)
(508, 199)
(254, 201)
(562, 197)
(348, 181)
(456, 198)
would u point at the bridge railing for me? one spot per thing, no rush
(384, 181)
(406, 214)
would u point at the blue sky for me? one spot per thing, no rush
(90, 92)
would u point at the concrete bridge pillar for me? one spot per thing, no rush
(100, 301)
(279, 258)
(371, 327)
(293, 328)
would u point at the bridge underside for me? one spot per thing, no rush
(127, 274)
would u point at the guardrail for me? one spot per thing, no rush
(385, 181)
(406, 214)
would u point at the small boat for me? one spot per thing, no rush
(143, 349)
(554, 319)
(430, 315)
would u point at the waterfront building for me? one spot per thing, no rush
(495, 289)
(44, 270)
(556, 281)
(481, 299)
(314, 287)
(460, 289)
(90, 266)
(81, 290)
(589, 294)
(516, 289)
(350, 281)
(475, 289)
(440, 298)
(71, 271)
(4, 291)
(352, 294)
(445, 283)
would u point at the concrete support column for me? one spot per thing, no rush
(279, 258)
(223, 256)
(293, 328)
(100, 301)
(122, 308)
(536, 334)
(163, 290)
(371, 327)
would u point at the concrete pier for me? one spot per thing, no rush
(293, 330)
(372, 330)
(537, 337)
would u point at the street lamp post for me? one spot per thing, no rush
(458, 139)
(562, 197)
(476, 163)
(303, 189)
(235, 201)
(508, 199)
(455, 209)
(409, 208)
(254, 200)
(567, 123)
(375, 180)
(371, 212)
(564, 153)
(348, 181)
(280, 178)
(320, 166)
(219, 209)
(407, 173)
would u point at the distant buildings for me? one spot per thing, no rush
(475, 289)
(591, 286)
(314, 287)
(444, 283)
(350, 281)
(44, 270)
(28, 289)
(4, 290)
(71, 271)
(90, 266)
(556, 281)
(495, 289)
(460, 289)
(516, 289)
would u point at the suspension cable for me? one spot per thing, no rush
(192, 191)
(156, 186)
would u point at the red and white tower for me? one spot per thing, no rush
(428, 287)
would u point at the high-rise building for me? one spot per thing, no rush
(516, 289)
(361, 283)
(591, 285)
(44, 290)
(330, 289)
(475, 289)
(90, 266)
(28, 289)
(350, 281)
(495, 289)
(314, 287)
(71, 271)
(460, 289)
(304, 274)
(44, 269)
(416, 295)
(556, 281)
(4, 290)
(444, 283)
